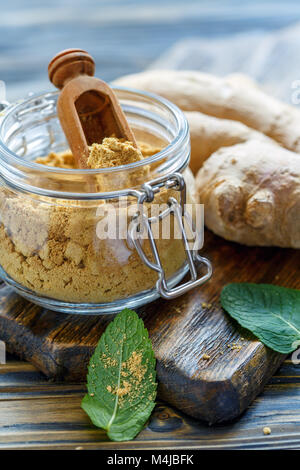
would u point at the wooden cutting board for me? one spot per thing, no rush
(207, 366)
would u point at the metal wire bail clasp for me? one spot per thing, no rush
(141, 225)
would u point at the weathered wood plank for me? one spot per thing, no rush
(55, 420)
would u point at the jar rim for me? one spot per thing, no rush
(7, 155)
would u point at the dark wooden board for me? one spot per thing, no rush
(182, 331)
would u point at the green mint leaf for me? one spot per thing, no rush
(270, 312)
(121, 378)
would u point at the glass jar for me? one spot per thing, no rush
(59, 248)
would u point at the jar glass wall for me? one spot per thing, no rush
(57, 248)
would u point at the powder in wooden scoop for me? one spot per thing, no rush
(116, 152)
(113, 152)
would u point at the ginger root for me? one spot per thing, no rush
(208, 134)
(248, 183)
(233, 97)
(251, 194)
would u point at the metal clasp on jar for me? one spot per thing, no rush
(141, 222)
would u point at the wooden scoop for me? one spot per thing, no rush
(87, 107)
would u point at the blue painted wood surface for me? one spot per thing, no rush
(124, 36)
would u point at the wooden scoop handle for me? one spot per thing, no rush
(68, 64)
(87, 107)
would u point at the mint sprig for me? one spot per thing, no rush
(121, 378)
(271, 313)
